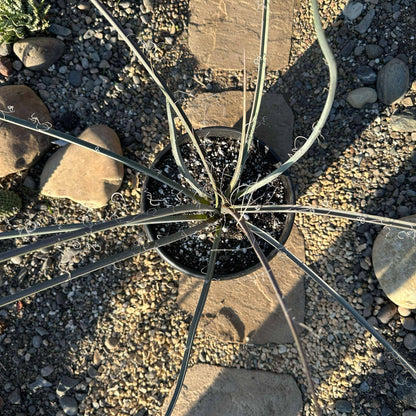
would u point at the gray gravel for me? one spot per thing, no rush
(118, 332)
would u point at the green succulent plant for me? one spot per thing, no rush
(20, 17)
(10, 204)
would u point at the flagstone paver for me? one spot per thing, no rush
(220, 30)
(210, 390)
(274, 125)
(246, 309)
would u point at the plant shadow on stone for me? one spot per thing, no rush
(321, 156)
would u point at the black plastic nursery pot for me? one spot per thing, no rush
(235, 258)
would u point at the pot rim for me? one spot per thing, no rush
(215, 131)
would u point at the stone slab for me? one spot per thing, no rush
(246, 309)
(394, 261)
(220, 30)
(214, 391)
(275, 122)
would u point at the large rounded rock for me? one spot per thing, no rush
(40, 53)
(394, 261)
(392, 81)
(20, 147)
(83, 175)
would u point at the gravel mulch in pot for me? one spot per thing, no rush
(222, 153)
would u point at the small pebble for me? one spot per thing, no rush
(343, 406)
(365, 23)
(409, 341)
(366, 74)
(104, 64)
(65, 384)
(386, 411)
(148, 4)
(75, 78)
(69, 405)
(92, 371)
(386, 313)
(373, 51)
(16, 259)
(111, 342)
(46, 371)
(96, 358)
(17, 65)
(29, 182)
(84, 6)
(404, 311)
(39, 383)
(59, 30)
(15, 396)
(352, 10)
(5, 49)
(80, 396)
(88, 34)
(362, 96)
(202, 357)
(37, 341)
(367, 299)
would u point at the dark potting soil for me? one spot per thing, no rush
(235, 253)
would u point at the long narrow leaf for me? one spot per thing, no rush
(326, 50)
(195, 322)
(65, 228)
(243, 141)
(86, 145)
(92, 267)
(258, 95)
(178, 156)
(327, 212)
(337, 297)
(98, 227)
(266, 266)
(163, 88)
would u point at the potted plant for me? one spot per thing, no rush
(190, 256)
(209, 205)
